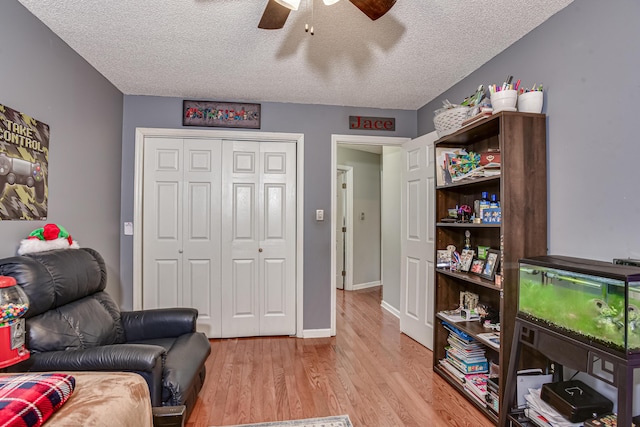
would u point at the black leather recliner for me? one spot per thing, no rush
(73, 325)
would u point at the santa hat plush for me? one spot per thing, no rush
(51, 236)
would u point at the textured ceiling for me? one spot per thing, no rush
(212, 49)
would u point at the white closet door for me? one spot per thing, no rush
(201, 232)
(277, 215)
(258, 239)
(240, 241)
(162, 228)
(181, 256)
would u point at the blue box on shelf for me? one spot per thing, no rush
(492, 215)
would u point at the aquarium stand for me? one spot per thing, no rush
(612, 368)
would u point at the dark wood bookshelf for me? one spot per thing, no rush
(521, 188)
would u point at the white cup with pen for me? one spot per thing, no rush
(504, 98)
(530, 100)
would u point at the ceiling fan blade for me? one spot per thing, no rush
(374, 9)
(274, 16)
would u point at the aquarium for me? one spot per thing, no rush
(593, 301)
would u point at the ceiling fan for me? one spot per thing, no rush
(277, 11)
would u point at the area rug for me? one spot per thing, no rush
(335, 421)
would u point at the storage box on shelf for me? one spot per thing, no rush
(521, 188)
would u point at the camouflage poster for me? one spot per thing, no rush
(24, 155)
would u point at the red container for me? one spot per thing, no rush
(13, 305)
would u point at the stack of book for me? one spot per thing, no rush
(468, 355)
(493, 397)
(476, 385)
(466, 363)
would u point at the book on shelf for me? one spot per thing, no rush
(452, 371)
(480, 367)
(490, 338)
(481, 401)
(478, 172)
(457, 164)
(474, 357)
(477, 384)
(462, 335)
(452, 317)
(467, 346)
(493, 401)
(537, 418)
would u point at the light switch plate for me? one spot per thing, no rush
(320, 215)
(128, 229)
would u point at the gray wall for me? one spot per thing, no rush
(587, 56)
(366, 200)
(317, 123)
(391, 227)
(44, 78)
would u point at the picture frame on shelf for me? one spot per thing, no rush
(491, 264)
(477, 266)
(443, 258)
(465, 259)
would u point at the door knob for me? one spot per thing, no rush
(260, 250)
(179, 251)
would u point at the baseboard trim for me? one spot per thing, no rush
(366, 285)
(391, 309)
(316, 333)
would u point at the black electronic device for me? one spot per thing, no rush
(575, 400)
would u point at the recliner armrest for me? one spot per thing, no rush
(143, 359)
(118, 357)
(158, 323)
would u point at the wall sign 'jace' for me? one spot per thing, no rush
(372, 123)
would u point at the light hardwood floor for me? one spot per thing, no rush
(369, 370)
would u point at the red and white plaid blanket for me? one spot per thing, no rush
(28, 400)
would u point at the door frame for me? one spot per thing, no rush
(297, 138)
(347, 139)
(348, 207)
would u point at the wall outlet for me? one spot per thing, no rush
(319, 214)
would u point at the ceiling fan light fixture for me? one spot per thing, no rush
(330, 2)
(289, 4)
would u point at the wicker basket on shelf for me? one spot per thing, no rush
(450, 120)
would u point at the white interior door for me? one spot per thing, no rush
(181, 261)
(258, 239)
(417, 246)
(340, 224)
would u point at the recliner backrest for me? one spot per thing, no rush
(68, 308)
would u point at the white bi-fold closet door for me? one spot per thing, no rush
(219, 233)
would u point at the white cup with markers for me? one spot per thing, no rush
(531, 101)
